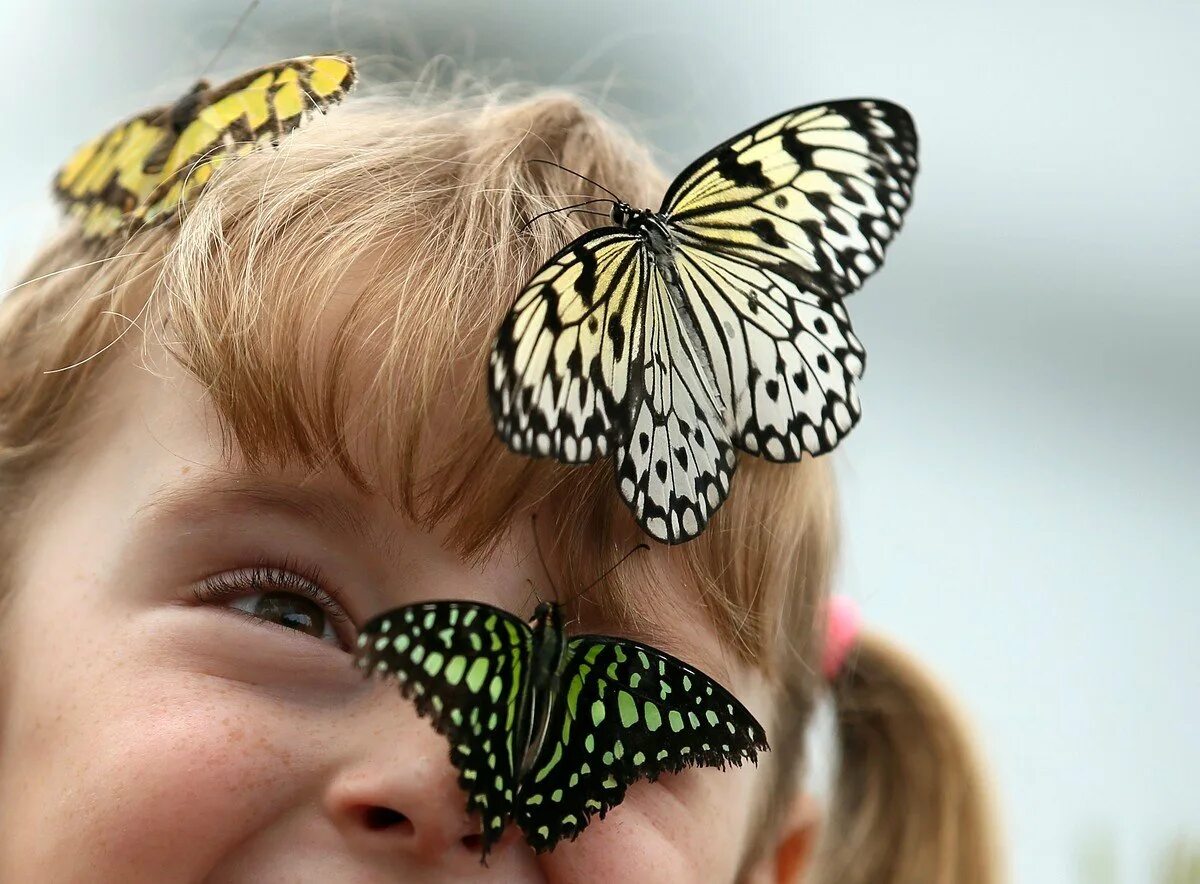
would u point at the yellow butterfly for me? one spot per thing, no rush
(674, 339)
(144, 170)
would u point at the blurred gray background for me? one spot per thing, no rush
(1022, 496)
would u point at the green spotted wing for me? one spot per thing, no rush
(625, 711)
(549, 732)
(465, 666)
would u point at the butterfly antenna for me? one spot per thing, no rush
(532, 592)
(537, 544)
(641, 547)
(228, 40)
(577, 206)
(588, 212)
(578, 175)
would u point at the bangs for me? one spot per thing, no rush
(337, 298)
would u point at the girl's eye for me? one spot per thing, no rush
(283, 598)
(292, 611)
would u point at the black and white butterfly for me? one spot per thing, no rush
(547, 730)
(677, 338)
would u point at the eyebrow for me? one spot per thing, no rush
(247, 493)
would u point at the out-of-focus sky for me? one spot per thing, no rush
(1022, 496)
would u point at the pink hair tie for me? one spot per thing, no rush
(842, 625)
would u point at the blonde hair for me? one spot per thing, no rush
(425, 202)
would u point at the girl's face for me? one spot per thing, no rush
(178, 701)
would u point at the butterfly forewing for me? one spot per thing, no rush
(465, 666)
(785, 359)
(246, 114)
(675, 466)
(561, 366)
(822, 189)
(625, 711)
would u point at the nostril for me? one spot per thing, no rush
(379, 819)
(473, 842)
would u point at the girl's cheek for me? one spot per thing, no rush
(172, 779)
(685, 833)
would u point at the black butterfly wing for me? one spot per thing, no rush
(561, 367)
(625, 711)
(784, 358)
(819, 191)
(465, 665)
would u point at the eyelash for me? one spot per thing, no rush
(287, 576)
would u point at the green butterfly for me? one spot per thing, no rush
(548, 730)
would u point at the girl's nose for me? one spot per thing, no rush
(409, 803)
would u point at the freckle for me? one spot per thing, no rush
(236, 735)
(184, 471)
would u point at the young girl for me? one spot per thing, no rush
(227, 445)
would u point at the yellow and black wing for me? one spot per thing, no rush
(254, 111)
(817, 192)
(561, 379)
(141, 172)
(106, 179)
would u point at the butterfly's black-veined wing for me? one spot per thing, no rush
(560, 372)
(105, 179)
(675, 467)
(785, 359)
(246, 114)
(625, 711)
(465, 665)
(820, 190)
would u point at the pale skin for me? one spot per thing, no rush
(148, 735)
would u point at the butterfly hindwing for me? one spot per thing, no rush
(784, 358)
(625, 711)
(822, 188)
(675, 467)
(465, 666)
(561, 366)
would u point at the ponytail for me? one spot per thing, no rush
(910, 802)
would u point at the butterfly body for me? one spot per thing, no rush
(548, 730)
(181, 114)
(172, 121)
(549, 644)
(647, 224)
(675, 339)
